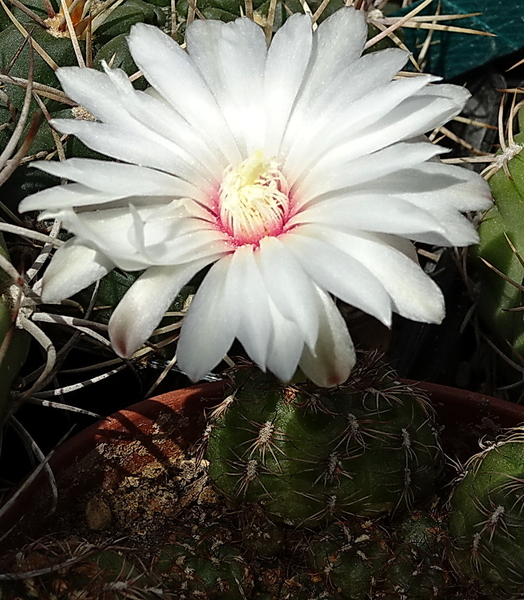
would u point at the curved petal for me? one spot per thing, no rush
(286, 63)
(371, 212)
(286, 346)
(142, 236)
(231, 58)
(207, 332)
(414, 294)
(354, 128)
(288, 286)
(416, 115)
(73, 268)
(249, 305)
(337, 44)
(329, 174)
(119, 180)
(330, 362)
(338, 41)
(340, 274)
(144, 305)
(187, 93)
(457, 187)
(65, 197)
(158, 116)
(130, 146)
(112, 99)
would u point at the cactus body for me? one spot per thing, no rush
(310, 456)
(505, 220)
(205, 565)
(419, 568)
(487, 519)
(350, 555)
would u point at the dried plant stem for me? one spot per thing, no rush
(427, 42)
(39, 88)
(13, 163)
(503, 275)
(458, 140)
(56, 138)
(437, 17)
(78, 386)
(72, 32)
(162, 376)
(401, 45)
(504, 356)
(30, 234)
(320, 10)
(270, 20)
(78, 324)
(32, 15)
(61, 406)
(33, 446)
(42, 257)
(399, 23)
(91, 549)
(50, 352)
(23, 487)
(167, 328)
(435, 27)
(24, 113)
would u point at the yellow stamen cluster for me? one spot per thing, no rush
(253, 199)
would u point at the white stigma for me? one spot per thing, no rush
(253, 199)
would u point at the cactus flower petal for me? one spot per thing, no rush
(74, 266)
(296, 173)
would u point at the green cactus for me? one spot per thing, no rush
(206, 564)
(15, 57)
(419, 569)
(306, 586)
(228, 10)
(350, 555)
(486, 519)
(77, 569)
(308, 456)
(501, 228)
(123, 17)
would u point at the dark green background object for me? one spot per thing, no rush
(452, 54)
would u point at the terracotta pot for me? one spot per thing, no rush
(147, 432)
(462, 407)
(153, 430)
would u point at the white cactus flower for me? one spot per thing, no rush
(298, 171)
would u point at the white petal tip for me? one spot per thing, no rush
(122, 346)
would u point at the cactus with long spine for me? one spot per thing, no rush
(307, 456)
(419, 568)
(205, 564)
(487, 519)
(350, 555)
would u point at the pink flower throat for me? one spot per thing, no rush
(253, 200)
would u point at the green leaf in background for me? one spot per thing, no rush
(452, 54)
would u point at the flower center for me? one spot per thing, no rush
(253, 199)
